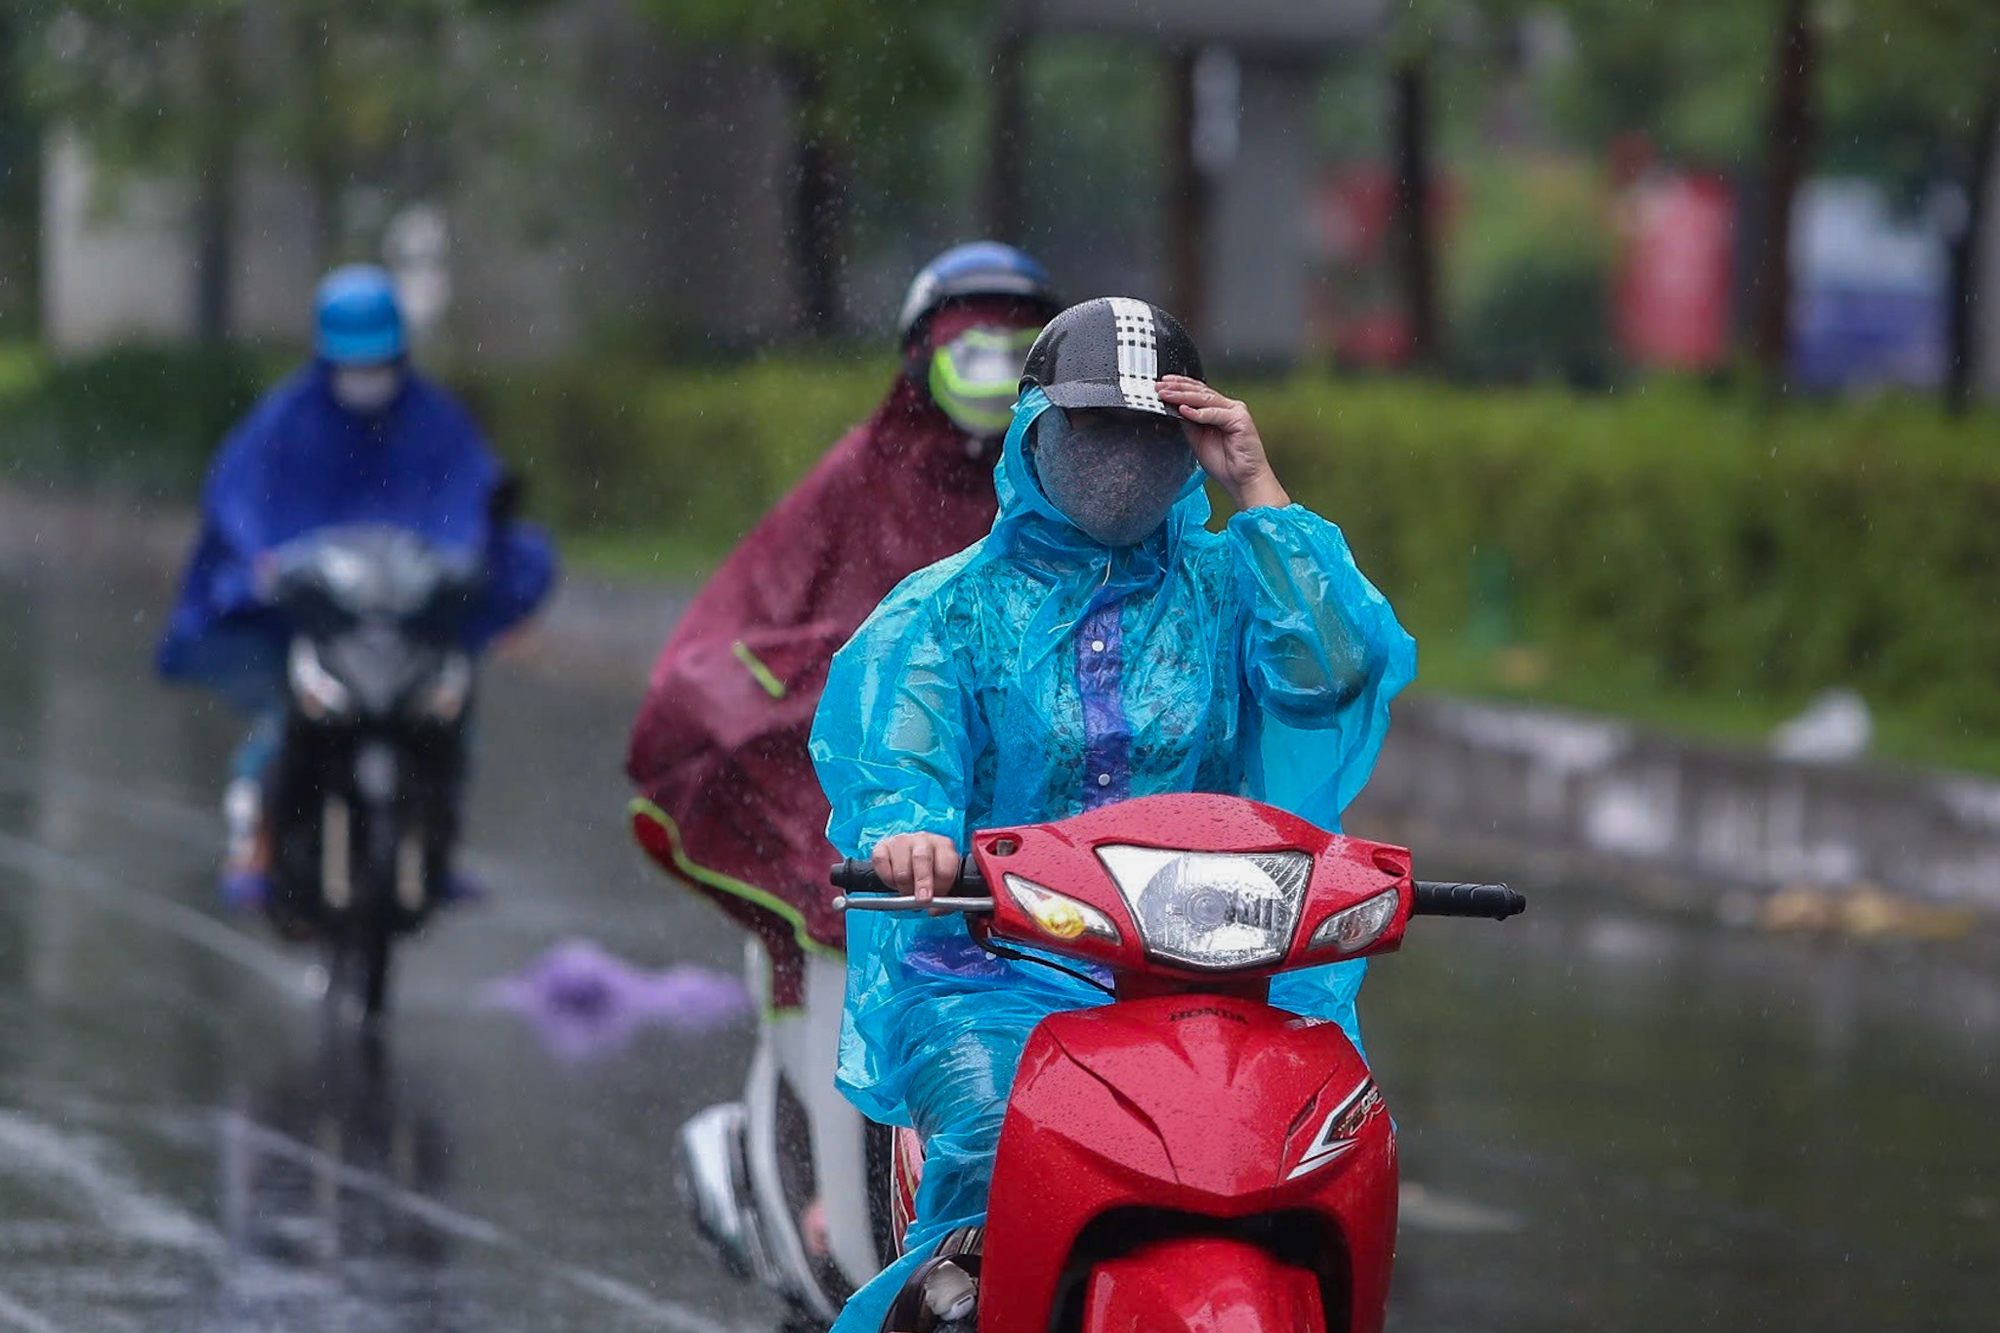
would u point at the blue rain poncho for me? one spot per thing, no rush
(1036, 675)
(299, 462)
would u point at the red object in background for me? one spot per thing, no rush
(1355, 311)
(1675, 275)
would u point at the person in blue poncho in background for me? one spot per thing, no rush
(1099, 644)
(357, 436)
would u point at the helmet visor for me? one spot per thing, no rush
(974, 377)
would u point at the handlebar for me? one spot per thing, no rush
(1494, 901)
(966, 892)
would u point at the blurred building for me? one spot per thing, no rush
(1236, 251)
(663, 210)
(658, 198)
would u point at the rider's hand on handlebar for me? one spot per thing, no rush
(923, 864)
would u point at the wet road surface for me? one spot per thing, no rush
(1609, 1121)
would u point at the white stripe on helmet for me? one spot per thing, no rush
(1138, 354)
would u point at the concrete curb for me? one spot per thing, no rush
(1546, 786)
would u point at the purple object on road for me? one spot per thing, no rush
(585, 1002)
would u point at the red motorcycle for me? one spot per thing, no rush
(1188, 1157)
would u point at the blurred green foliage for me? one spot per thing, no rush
(1528, 274)
(372, 105)
(692, 457)
(870, 64)
(1668, 551)
(140, 421)
(1691, 75)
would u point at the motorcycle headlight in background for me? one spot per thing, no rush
(1211, 910)
(445, 699)
(1357, 927)
(318, 690)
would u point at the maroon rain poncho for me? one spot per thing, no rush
(730, 800)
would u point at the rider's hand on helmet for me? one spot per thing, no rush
(924, 864)
(1226, 442)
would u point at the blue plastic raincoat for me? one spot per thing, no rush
(1038, 674)
(298, 462)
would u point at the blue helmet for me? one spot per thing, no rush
(355, 316)
(979, 268)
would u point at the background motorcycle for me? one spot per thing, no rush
(1187, 1156)
(362, 798)
(785, 1184)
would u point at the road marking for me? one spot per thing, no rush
(476, 1230)
(178, 919)
(70, 1169)
(13, 1313)
(194, 828)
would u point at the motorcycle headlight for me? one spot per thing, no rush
(1211, 910)
(318, 690)
(445, 699)
(1058, 915)
(1357, 927)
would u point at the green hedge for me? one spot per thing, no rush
(1670, 551)
(1668, 540)
(688, 457)
(138, 420)
(1672, 540)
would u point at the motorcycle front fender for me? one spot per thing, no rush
(1202, 1284)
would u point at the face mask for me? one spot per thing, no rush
(1114, 474)
(366, 390)
(973, 378)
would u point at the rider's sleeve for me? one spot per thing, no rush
(1322, 656)
(520, 569)
(220, 634)
(1316, 633)
(895, 733)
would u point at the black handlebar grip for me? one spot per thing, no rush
(1494, 901)
(852, 876)
(857, 877)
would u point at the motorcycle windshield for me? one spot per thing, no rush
(378, 573)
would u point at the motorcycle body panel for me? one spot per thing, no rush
(1070, 856)
(756, 1165)
(1213, 1114)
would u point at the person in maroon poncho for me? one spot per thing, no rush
(729, 803)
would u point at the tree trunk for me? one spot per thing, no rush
(20, 185)
(321, 155)
(218, 115)
(1413, 230)
(1187, 202)
(1787, 151)
(1964, 345)
(1006, 149)
(819, 201)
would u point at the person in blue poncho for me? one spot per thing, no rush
(357, 436)
(1099, 644)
